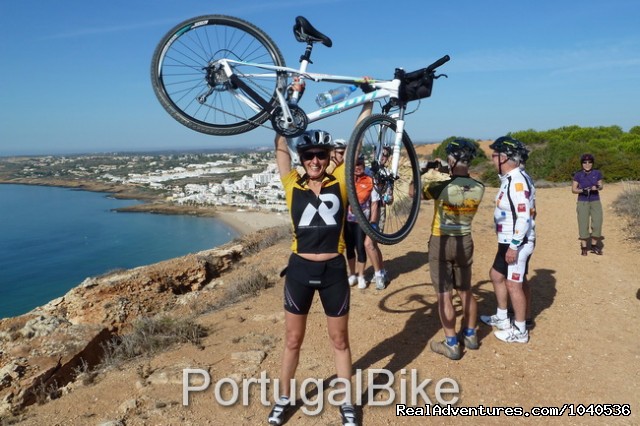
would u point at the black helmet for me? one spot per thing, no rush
(314, 139)
(461, 150)
(587, 157)
(513, 148)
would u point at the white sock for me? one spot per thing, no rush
(501, 313)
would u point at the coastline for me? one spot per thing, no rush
(240, 220)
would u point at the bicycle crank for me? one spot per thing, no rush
(289, 130)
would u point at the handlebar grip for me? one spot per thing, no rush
(439, 62)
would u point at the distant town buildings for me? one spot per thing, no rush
(245, 180)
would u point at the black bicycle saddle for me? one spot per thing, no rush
(306, 33)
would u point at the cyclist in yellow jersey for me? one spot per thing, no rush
(451, 247)
(317, 203)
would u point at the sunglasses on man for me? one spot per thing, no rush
(309, 155)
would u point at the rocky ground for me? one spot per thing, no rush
(583, 350)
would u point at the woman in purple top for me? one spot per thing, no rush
(587, 183)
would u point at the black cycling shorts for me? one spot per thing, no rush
(329, 278)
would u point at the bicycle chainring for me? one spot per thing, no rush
(298, 126)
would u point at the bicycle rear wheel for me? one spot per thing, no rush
(403, 189)
(201, 97)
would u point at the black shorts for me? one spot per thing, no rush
(329, 278)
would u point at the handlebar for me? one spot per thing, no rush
(439, 62)
(415, 75)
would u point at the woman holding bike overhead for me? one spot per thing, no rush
(317, 202)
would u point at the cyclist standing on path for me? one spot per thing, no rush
(317, 203)
(451, 247)
(514, 218)
(587, 183)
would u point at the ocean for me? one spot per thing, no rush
(51, 239)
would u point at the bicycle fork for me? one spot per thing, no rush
(397, 144)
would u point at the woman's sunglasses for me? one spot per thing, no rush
(308, 155)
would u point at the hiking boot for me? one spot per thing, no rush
(584, 251)
(362, 283)
(352, 280)
(596, 250)
(494, 321)
(379, 279)
(278, 412)
(348, 414)
(512, 335)
(451, 352)
(469, 342)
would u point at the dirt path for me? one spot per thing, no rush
(584, 348)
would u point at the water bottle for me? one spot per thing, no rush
(334, 95)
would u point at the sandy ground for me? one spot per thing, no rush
(584, 348)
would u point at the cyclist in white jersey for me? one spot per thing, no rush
(514, 216)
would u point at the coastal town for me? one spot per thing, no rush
(247, 179)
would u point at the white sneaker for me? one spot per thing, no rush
(379, 279)
(361, 282)
(353, 280)
(494, 321)
(512, 335)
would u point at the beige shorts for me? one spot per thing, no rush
(450, 260)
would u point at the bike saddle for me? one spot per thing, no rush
(306, 33)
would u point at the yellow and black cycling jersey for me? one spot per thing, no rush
(318, 220)
(456, 203)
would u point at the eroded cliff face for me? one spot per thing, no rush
(44, 348)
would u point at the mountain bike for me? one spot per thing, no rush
(221, 75)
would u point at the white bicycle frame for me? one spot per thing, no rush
(383, 89)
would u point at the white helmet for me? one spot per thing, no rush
(339, 144)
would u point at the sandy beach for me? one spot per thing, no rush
(246, 222)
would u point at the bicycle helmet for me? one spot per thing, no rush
(512, 148)
(461, 150)
(314, 139)
(339, 144)
(587, 157)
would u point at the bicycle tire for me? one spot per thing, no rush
(367, 139)
(180, 74)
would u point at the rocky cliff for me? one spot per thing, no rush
(45, 348)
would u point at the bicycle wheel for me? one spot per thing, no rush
(201, 97)
(403, 189)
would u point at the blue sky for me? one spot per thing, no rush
(74, 75)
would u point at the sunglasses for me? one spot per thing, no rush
(309, 155)
(587, 162)
(339, 152)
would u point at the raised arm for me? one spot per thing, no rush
(283, 156)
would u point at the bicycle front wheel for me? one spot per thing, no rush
(399, 194)
(198, 94)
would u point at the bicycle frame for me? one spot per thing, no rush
(383, 89)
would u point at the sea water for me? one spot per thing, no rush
(51, 239)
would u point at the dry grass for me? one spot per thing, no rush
(150, 336)
(628, 206)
